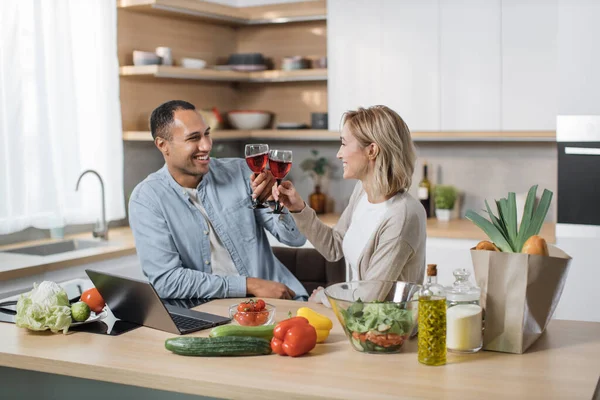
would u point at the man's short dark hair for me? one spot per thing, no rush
(162, 117)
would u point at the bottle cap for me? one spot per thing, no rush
(431, 269)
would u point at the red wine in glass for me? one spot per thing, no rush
(279, 169)
(257, 156)
(258, 162)
(280, 163)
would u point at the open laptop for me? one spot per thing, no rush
(136, 301)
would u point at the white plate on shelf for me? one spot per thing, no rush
(93, 318)
(248, 67)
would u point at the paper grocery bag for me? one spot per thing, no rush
(519, 293)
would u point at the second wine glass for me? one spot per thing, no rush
(280, 163)
(257, 156)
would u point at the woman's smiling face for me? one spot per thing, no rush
(354, 157)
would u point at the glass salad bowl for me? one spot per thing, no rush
(377, 316)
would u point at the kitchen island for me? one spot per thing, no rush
(563, 363)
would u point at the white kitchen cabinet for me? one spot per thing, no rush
(579, 57)
(409, 67)
(450, 254)
(384, 52)
(580, 296)
(470, 63)
(529, 64)
(354, 54)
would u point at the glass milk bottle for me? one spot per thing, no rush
(432, 320)
(464, 315)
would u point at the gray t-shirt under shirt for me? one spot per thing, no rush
(220, 260)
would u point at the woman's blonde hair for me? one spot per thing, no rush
(395, 162)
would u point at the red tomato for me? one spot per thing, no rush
(246, 306)
(92, 298)
(261, 317)
(245, 318)
(260, 305)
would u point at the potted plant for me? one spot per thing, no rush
(444, 197)
(317, 167)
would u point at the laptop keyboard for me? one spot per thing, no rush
(187, 324)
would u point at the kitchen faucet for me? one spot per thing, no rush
(101, 228)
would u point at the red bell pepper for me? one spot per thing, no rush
(293, 337)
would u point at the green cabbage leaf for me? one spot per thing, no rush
(46, 306)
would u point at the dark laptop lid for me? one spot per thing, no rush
(133, 300)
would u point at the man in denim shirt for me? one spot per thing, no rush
(195, 233)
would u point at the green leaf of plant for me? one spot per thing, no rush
(490, 230)
(502, 206)
(496, 221)
(539, 214)
(526, 218)
(511, 220)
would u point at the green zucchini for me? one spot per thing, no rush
(219, 346)
(263, 331)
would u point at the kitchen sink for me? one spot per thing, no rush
(49, 249)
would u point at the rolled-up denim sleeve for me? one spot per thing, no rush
(162, 265)
(283, 227)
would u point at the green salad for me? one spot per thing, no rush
(378, 326)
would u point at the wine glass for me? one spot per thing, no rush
(257, 156)
(280, 163)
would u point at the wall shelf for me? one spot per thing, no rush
(204, 10)
(333, 136)
(273, 134)
(166, 72)
(486, 136)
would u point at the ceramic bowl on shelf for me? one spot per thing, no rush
(249, 68)
(294, 63)
(319, 62)
(249, 119)
(194, 63)
(377, 316)
(145, 58)
(246, 59)
(292, 125)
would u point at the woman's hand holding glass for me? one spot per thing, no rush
(288, 196)
(280, 164)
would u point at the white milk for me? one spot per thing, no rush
(463, 328)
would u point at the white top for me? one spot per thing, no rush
(220, 259)
(365, 221)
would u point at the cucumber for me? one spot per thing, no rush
(219, 346)
(264, 331)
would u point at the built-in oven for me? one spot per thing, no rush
(578, 144)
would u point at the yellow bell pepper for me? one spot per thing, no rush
(320, 322)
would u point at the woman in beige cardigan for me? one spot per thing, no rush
(381, 233)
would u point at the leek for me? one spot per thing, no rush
(502, 229)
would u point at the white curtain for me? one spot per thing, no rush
(59, 113)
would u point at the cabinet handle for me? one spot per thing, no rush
(583, 151)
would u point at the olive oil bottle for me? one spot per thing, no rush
(432, 320)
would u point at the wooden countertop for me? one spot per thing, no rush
(121, 243)
(465, 229)
(456, 229)
(561, 364)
